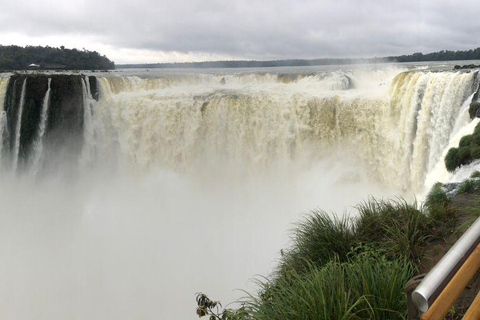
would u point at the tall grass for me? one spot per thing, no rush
(339, 268)
(469, 186)
(317, 240)
(368, 287)
(395, 226)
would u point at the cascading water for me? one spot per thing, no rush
(401, 134)
(16, 146)
(38, 143)
(139, 191)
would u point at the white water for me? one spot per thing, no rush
(38, 143)
(3, 114)
(16, 148)
(188, 185)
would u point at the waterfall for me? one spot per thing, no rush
(3, 114)
(88, 149)
(38, 142)
(129, 175)
(16, 147)
(400, 132)
(250, 122)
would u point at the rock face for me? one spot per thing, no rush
(64, 117)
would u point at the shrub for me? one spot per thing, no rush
(466, 141)
(468, 150)
(395, 226)
(469, 186)
(437, 196)
(367, 287)
(476, 174)
(451, 159)
(317, 240)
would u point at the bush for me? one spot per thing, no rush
(317, 240)
(437, 196)
(466, 141)
(395, 226)
(469, 186)
(476, 174)
(368, 287)
(451, 159)
(468, 150)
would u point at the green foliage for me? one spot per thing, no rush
(443, 55)
(476, 174)
(19, 58)
(437, 196)
(466, 141)
(207, 307)
(366, 287)
(468, 150)
(317, 240)
(395, 226)
(451, 159)
(469, 186)
(337, 269)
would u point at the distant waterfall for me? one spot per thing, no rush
(398, 124)
(38, 146)
(400, 133)
(3, 114)
(88, 150)
(19, 126)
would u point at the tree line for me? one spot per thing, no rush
(19, 58)
(443, 55)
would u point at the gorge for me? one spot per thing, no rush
(117, 188)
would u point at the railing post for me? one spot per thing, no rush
(412, 311)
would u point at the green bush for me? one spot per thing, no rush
(451, 159)
(317, 240)
(476, 174)
(367, 287)
(466, 141)
(469, 186)
(399, 228)
(475, 152)
(437, 196)
(468, 150)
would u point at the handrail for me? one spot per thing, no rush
(455, 287)
(437, 279)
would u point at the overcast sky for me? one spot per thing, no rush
(137, 31)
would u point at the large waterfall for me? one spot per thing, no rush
(117, 188)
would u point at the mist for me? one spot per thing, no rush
(139, 246)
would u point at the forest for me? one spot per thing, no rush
(20, 58)
(443, 55)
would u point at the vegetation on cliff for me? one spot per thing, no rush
(344, 268)
(19, 58)
(468, 150)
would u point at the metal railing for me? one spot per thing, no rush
(432, 296)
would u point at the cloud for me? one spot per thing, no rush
(270, 29)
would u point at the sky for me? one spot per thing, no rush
(149, 31)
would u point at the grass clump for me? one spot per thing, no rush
(395, 226)
(469, 186)
(366, 287)
(317, 240)
(475, 174)
(339, 268)
(437, 196)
